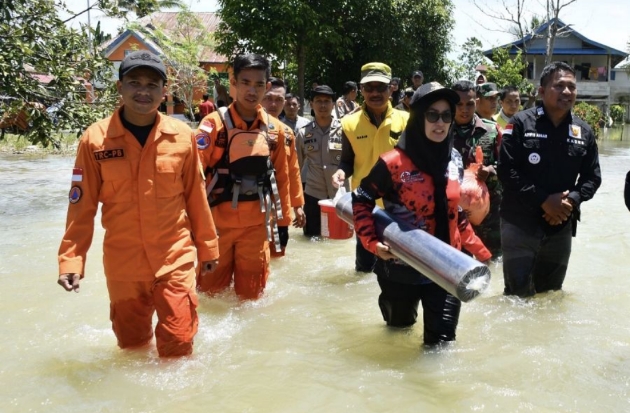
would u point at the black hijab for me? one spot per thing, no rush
(431, 158)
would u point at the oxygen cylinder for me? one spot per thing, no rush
(460, 275)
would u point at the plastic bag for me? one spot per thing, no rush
(474, 197)
(340, 192)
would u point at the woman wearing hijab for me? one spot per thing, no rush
(397, 93)
(419, 182)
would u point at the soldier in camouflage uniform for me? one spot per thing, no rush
(471, 131)
(487, 100)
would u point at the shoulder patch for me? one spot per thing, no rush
(75, 194)
(77, 174)
(109, 154)
(206, 126)
(203, 140)
(508, 129)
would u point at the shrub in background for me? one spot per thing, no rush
(590, 114)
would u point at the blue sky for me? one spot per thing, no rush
(603, 21)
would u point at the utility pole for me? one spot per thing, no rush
(89, 28)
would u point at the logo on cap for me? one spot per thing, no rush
(142, 58)
(145, 56)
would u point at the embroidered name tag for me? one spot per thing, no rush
(577, 141)
(109, 154)
(535, 135)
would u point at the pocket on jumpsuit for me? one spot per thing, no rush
(117, 182)
(168, 166)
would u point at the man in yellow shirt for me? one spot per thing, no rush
(367, 133)
(510, 100)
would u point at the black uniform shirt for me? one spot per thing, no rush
(537, 159)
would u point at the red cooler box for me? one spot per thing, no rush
(332, 226)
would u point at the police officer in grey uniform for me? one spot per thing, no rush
(548, 165)
(319, 153)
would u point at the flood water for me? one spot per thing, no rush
(316, 341)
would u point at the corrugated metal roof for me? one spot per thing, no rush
(514, 46)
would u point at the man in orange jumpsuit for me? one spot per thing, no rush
(273, 102)
(243, 218)
(144, 168)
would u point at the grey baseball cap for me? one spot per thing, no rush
(142, 58)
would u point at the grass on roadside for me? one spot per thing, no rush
(13, 143)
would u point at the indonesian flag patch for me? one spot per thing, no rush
(508, 129)
(77, 175)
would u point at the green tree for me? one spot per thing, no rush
(145, 7)
(329, 40)
(62, 53)
(182, 49)
(617, 113)
(465, 66)
(407, 35)
(508, 71)
(99, 36)
(284, 30)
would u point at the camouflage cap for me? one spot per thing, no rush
(376, 72)
(487, 89)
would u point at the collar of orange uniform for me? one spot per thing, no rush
(164, 124)
(239, 123)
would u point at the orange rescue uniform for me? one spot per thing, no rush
(296, 194)
(295, 178)
(243, 241)
(156, 220)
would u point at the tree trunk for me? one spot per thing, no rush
(552, 29)
(301, 62)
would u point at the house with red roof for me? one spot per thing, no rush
(130, 40)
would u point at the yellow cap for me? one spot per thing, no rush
(376, 72)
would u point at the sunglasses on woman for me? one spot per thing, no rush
(432, 117)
